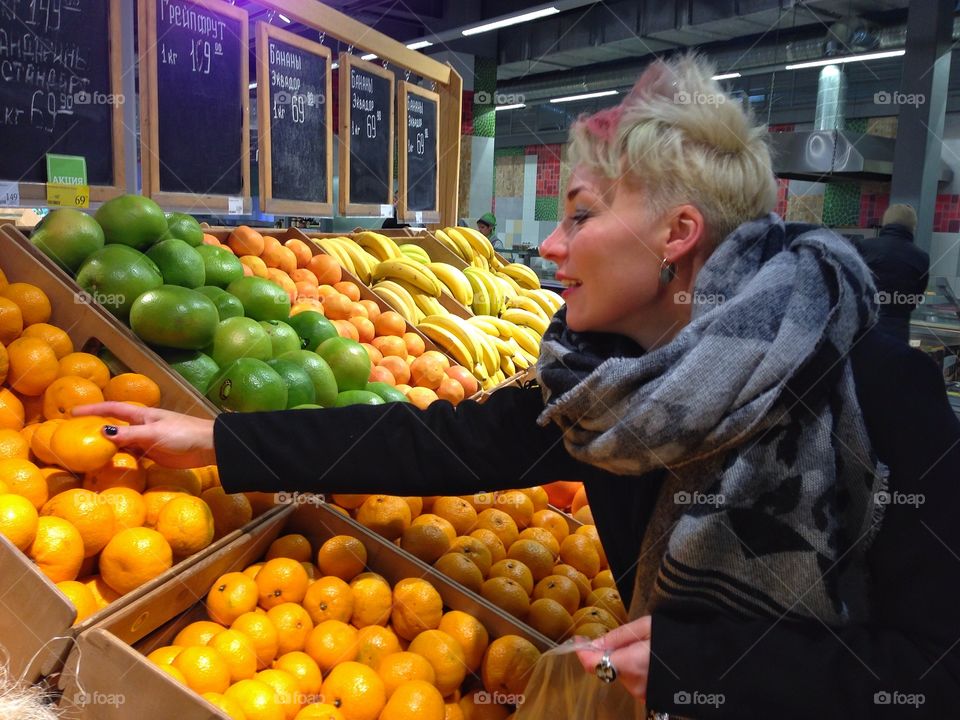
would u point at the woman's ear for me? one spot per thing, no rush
(687, 232)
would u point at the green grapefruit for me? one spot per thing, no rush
(248, 385)
(184, 227)
(179, 263)
(227, 305)
(386, 391)
(358, 397)
(313, 328)
(299, 384)
(262, 299)
(68, 236)
(324, 383)
(239, 337)
(116, 275)
(283, 337)
(193, 366)
(221, 267)
(174, 317)
(349, 361)
(131, 220)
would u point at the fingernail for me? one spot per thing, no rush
(110, 430)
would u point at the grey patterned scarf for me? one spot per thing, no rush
(770, 496)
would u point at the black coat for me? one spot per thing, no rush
(761, 668)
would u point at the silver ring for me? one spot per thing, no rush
(605, 669)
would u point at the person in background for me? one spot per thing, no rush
(487, 224)
(900, 269)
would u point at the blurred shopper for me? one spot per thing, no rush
(487, 224)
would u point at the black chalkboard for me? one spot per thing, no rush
(421, 152)
(55, 91)
(371, 148)
(200, 99)
(298, 123)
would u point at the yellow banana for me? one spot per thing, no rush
(415, 252)
(488, 353)
(555, 300)
(361, 259)
(458, 244)
(378, 245)
(455, 280)
(506, 278)
(479, 261)
(507, 291)
(336, 250)
(461, 330)
(428, 305)
(535, 296)
(496, 264)
(524, 276)
(525, 318)
(481, 296)
(482, 323)
(454, 347)
(507, 366)
(524, 303)
(528, 340)
(409, 271)
(478, 241)
(494, 291)
(391, 290)
(522, 361)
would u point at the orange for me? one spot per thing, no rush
(580, 552)
(32, 408)
(356, 690)
(239, 652)
(330, 643)
(165, 655)
(414, 699)
(134, 556)
(261, 632)
(294, 546)
(102, 593)
(429, 518)
(475, 550)
(375, 356)
(305, 671)
(133, 387)
(293, 626)
(538, 496)
(374, 643)
(415, 503)
(507, 595)
(345, 287)
(604, 578)
(414, 343)
(426, 371)
(280, 258)
(11, 321)
(174, 673)
(365, 330)
(391, 323)
(381, 374)
(462, 569)
(11, 410)
(342, 556)
(200, 632)
(301, 250)
(450, 390)
(244, 240)
(257, 266)
(591, 614)
(561, 589)
(470, 633)
(256, 699)
(445, 656)
(508, 664)
(187, 524)
(86, 366)
(18, 520)
(88, 513)
(186, 479)
(553, 521)
(231, 596)
(579, 579)
(417, 606)
(23, 478)
(425, 541)
(65, 393)
(474, 706)
(590, 531)
(79, 444)
(549, 618)
(561, 492)
(230, 512)
(544, 537)
(123, 470)
(492, 542)
(32, 301)
(516, 571)
(350, 502)
(40, 441)
(286, 689)
(204, 669)
(57, 549)
(319, 711)
(281, 580)
(329, 598)
(401, 667)
(518, 506)
(452, 711)
(579, 499)
(373, 310)
(326, 268)
(252, 570)
(155, 499)
(608, 599)
(457, 511)
(534, 555)
(372, 600)
(465, 378)
(397, 367)
(33, 366)
(337, 307)
(55, 337)
(421, 397)
(227, 706)
(386, 515)
(13, 445)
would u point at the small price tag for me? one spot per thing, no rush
(386, 211)
(419, 217)
(9, 194)
(76, 196)
(235, 206)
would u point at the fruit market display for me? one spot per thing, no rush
(511, 310)
(251, 323)
(308, 633)
(96, 521)
(511, 548)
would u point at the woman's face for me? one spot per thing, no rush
(608, 248)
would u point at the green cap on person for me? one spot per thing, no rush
(488, 219)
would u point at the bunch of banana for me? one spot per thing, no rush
(521, 275)
(415, 252)
(377, 244)
(406, 270)
(350, 255)
(518, 346)
(488, 293)
(399, 297)
(467, 345)
(455, 281)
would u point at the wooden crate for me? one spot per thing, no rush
(109, 659)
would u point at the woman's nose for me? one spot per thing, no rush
(553, 247)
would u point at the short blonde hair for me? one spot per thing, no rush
(900, 214)
(681, 139)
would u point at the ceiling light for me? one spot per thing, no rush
(419, 45)
(726, 76)
(252, 86)
(497, 24)
(368, 56)
(846, 59)
(509, 107)
(586, 96)
(284, 18)
(335, 66)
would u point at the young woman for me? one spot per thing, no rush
(773, 480)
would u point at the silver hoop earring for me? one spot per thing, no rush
(668, 271)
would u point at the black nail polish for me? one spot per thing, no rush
(110, 430)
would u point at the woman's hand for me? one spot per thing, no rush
(629, 648)
(169, 438)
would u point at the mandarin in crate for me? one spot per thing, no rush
(134, 556)
(256, 699)
(553, 522)
(326, 268)
(534, 555)
(86, 366)
(306, 291)
(451, 391)
(356, 690)
(508, 664)
(337, 307)
(306, 671)
(187, 524)
(200, 632)
(592, 614)
(342, 555)
(608, 599)
(365, 329)
(11, 410)
(55, 337)
(204, 669)
(414, 699)
(475, 550)
(281, 580)
(11, 321)
(403, 666)
(239, 652)
(580, 552)
(549, 618)
(493, 544)
(445, 655)
(426, 542)
(80, 597)
(293, 545)
(24, 478)
(33, 365)
(155, 499)
(506, 594)
(500, 524)
(32, 301)
(286, 690)
(230, 708)
(426, 371)
(57, 549)
(544, 537)
(457, 511)
(391, 322)
(328, 598)
(123, 470)
(345, 287)
(293, 625)
(579, 579)
(302, 275)
(461, 569)
(319, 711)
(330, 643)
(244, 240)
(89, 513)
(65, 393)
(422, 397)
(373, 310)
(397, 367)
(381, 374)
(261, 632)
(391, 346)
(604, 578)
(300, 250)
(417, 606)
(516, 571)
(18, 520)
(256, 265)
(560, 589)
(561, 492)
(470, 633)
(372, 600)
(375, 643)
(13, 445)
(133, 387)
(347, 329)
(230, 511)
(386, 515)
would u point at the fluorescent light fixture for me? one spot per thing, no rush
(509, 107)
(585, 96)
(335, 66)
(252, 86)
(506, 22)
(419, 45)
(846, 59)
(284, 18)
(368, 56)
(726, 76)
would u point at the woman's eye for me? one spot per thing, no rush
(579, 217)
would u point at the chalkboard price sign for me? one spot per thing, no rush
(366, 137)
(60, 91)
(295, 123)
(196, 125)
(418, 136)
